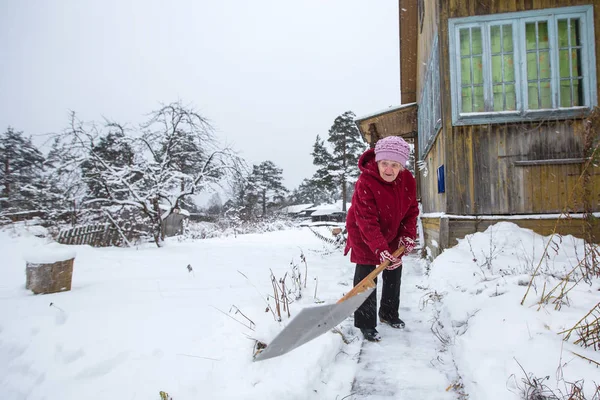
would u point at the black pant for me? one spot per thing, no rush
(366, 315)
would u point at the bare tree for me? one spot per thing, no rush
(176, 156)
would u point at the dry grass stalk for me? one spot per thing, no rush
(276, 297)
(561, 298)
(280, 296)
(589, 360)
(303, 259)
(587, 330)
(581, 188)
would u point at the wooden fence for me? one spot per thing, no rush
(97, 235)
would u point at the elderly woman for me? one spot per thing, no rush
(383, 217)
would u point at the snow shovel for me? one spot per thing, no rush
(312, 322)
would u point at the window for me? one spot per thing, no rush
(522, 66)
(429, 111)
(441, 179)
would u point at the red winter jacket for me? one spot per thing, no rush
(381, 212)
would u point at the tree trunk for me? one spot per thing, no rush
(344, 193)
(158, 233)
(6, 178)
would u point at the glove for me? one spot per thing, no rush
(408, 243)
(395, 262)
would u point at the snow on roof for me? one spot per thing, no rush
(325, 209)
(387, 110)
(296, 208)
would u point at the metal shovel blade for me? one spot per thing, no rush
(310, 323)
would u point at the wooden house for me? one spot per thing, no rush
(500, 100)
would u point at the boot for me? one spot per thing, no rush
(395, 323)
(371, 334)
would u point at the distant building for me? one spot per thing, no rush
(298, 210)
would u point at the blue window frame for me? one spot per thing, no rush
(441, 179)
(522, 66)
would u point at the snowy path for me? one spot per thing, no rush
(399, 367)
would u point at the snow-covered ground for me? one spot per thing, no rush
(137, 322)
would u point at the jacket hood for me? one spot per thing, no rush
(368, 166)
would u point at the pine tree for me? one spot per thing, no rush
(266, 183)
(309, 191)
(347, 144)
(113, 150)
(322, 180)
(338, 169)
(22, 164)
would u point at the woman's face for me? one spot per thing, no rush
(389, 170)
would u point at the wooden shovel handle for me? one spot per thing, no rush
(369, 281)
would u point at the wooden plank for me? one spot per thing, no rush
(71, 232)
(559, 161)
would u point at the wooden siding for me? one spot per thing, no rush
(466, 8)
(481, 175)
(484, 177)
(435, 232)
(428, 29)
(408, 27)
(431, 200)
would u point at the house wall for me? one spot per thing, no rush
(408, 50)
(427, 29)
(483, 173)
(431, 200)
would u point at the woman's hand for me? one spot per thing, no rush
(395, 262)
(408, 243)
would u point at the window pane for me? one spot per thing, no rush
(476, 38)
(532, 66)
(467, 100)
(532, 94)
(543, 35)
(570, 98)
(546, 94)
(530, 37)
(509, 68)
(575, 37)
(477, 70)
(563, 64)
(565, 93)
(511, 98)
(575, 57)
(563, 34)
(465, 71)
(507, 42)
(498, 98)
(478, 105)
(465, 43)
(496, 39)
(578, 91)
(497, 69)
(544, 65)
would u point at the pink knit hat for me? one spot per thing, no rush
(392, 148)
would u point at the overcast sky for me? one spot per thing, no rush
(269, 74)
